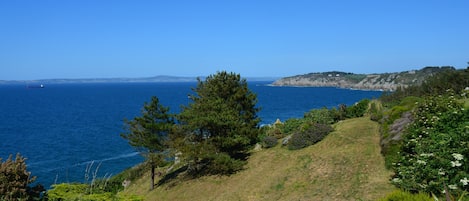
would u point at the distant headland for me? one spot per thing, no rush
(383, 81)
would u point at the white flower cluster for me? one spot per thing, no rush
(458, 158)
(464, 181)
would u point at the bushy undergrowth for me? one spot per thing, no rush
(15, 180)
(435, 150)
(309, 135)
(314, 126)
(269, 141)
(106, 188)
(216, 163)
(67, 191)
(358, 110)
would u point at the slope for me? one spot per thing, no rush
(346, 165)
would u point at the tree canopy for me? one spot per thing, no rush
(220, 123)
(149, 133)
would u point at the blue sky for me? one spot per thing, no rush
(42, 39)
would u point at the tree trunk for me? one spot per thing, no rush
(152, 177)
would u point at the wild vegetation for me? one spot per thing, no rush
(15, 180)
(206, 151)
(346, 165)
(425, 131)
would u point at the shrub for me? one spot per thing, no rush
(435, 149)
(219, 163)
(321, 116)
(292, 125)
(308, 135)
(376, 110)
(67, 191)
(359, 109)
(269, 141)
(275, 131)
(14, 180)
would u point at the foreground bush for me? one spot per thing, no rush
(67, 191)
(435, 150)
(14, 180)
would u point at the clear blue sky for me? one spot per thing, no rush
(42, 39)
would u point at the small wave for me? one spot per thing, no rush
(126, 155)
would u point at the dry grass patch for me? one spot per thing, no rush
(346, 165)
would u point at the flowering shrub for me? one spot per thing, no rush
(435, 150)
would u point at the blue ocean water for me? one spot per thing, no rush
(63, 128)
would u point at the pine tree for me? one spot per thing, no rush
(221, 123)
(149, 133)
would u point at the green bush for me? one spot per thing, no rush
(435, 149)
(358, 109)
(222, 163)
(269, 141)
(308, 135)
(292, 125)
(14, 180)
(321, 116)
(114, 184)
(67, 191)
(275, 131)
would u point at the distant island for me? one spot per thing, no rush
(159, 78)
(383, 81)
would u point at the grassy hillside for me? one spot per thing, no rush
(346, 165)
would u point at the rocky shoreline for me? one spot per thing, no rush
(381, 82)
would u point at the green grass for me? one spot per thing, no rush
(346, 165)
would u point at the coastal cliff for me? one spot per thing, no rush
(383, 81)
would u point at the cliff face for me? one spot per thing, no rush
(384, 81)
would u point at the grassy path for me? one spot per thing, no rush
(346, 165)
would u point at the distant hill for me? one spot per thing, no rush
(159, 78)
(383, 81)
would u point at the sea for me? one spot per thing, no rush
(68, 131)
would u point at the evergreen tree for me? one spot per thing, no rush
(149, 133)
(221, 123)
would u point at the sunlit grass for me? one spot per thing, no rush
(346, 165)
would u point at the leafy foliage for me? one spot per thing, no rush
(292, 124)
(321, 116)
(220, 124)
(67, 191)
(435, 150)
(269, 141)
(14, 180)
(149, 133)
(308, 135)
(358, 110)
(438, 83)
